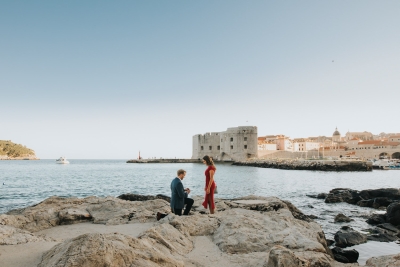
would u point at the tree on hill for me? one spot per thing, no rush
(12, 150)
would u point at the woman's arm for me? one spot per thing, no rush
(211, 181)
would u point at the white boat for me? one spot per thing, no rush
(394, 165)
(386, 164)
(62, 160)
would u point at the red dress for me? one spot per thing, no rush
(209, 197)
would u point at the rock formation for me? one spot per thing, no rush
(387, 261)
(373, 198)
(249, 231)
(347, 237)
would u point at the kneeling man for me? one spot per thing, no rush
(179, 196)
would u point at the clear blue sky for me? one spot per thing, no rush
(105, 79)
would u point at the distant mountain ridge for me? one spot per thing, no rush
(10, 150)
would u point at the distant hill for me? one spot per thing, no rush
(10, 150)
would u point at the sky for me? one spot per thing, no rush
(106, 79)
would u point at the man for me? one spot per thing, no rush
(179, 196)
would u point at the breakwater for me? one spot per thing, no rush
(311, 165)
(164, 161)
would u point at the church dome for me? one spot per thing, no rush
(336, 132)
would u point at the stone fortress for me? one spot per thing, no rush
(234, 144)
(242, 143)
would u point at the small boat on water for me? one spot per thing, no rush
(395, 165)
(391, 167)
(383, 164)
(62, 160)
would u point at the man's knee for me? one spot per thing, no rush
(189, 201)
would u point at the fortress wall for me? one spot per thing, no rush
(206, 144)
(237, 143)
(240, 143)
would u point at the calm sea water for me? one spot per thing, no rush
(29, 182)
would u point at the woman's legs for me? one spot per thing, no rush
(210, 206)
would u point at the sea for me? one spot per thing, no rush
(28, 182)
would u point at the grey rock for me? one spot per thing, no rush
(342, 218)
(375, 219)
(382, 235)
(390, 193)
(347, 237)
(366, 203)
(393, 214)
(389, 227)
(381, 202)
(345, 256)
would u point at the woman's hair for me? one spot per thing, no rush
(209, 160)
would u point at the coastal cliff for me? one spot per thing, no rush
(12, 151)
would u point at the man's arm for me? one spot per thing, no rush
(181, 192)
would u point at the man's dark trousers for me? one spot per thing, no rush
(189, 203)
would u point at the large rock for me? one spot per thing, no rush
(384, 261)
(112, 250)
(342, 195)
(345, 256)
(266, 204)
(13, 236)
(381, 202)
(166, 238)
(243, 231)
(347, 237)
(393, 213)
(282, 257)
(382, 235)
(250, 231)
(375, 219)
(57, 210)
(195, 225)
(374, 198)
(389, 193)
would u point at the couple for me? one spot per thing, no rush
(179, 195)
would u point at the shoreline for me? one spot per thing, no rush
(74, 219)
(172, 161)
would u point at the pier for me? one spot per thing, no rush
(311, 165)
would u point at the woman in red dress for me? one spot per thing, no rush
(210, 184)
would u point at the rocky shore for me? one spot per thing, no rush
(311, 165)
(384, 225)
(123, 231)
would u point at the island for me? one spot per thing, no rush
(13, 151)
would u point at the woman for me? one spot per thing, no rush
(210, 184)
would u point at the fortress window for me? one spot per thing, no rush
(202, 148)
(218, 147)
(210, 147)
(231, 139)
(231, 147)
(245, 139)
(245, 146)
